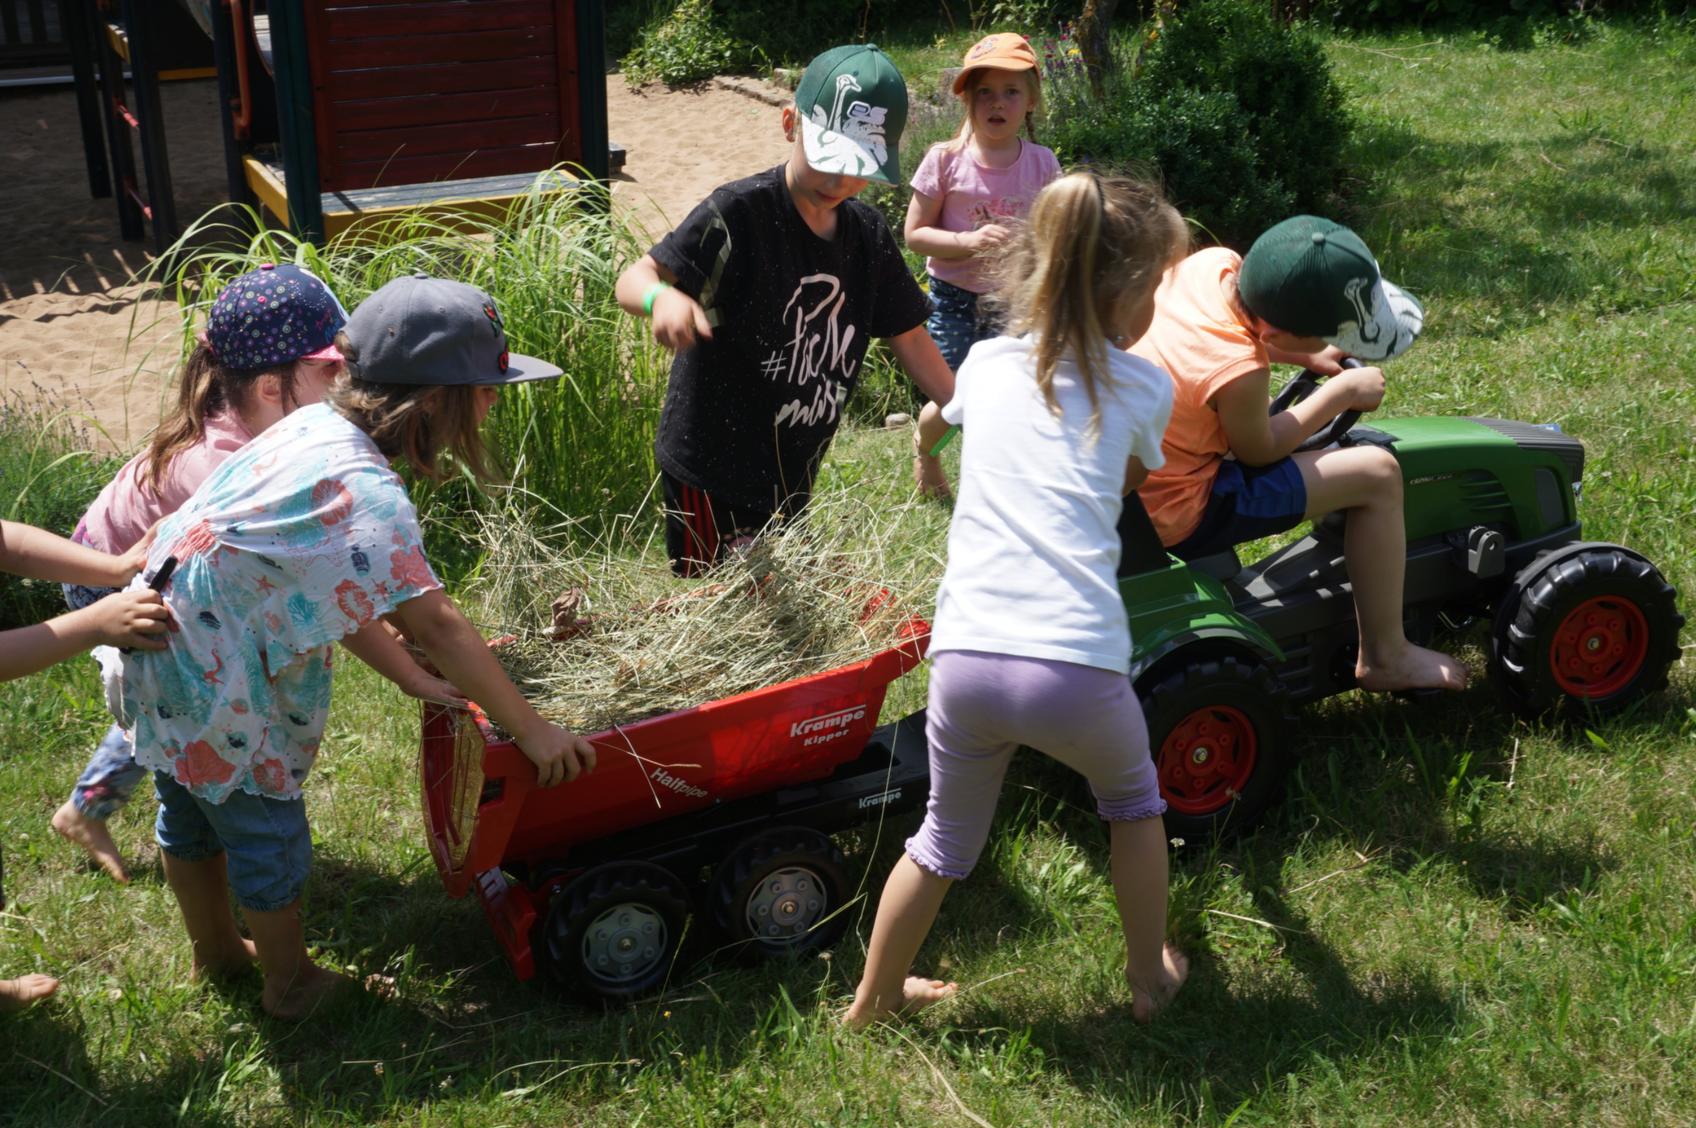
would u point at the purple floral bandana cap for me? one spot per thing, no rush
(274, 316)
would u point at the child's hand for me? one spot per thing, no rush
(1328, 361)
(1362, 389)
(130, 618)
(986, 238)
(427, 687)
(559, 754)
(679, 320)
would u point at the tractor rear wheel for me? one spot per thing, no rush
(1215, 730)
(1591, 630)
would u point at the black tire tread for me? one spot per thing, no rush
(1528, 610)
(1237, 678)
(757, 854)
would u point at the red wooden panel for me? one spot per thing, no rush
(397, 113)
(462, 137)
(434, 19)
(411, 51)
(496, 79)
(443, 78)
(423, 170)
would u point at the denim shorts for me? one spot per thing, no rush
(266, 842)
(1246, 503)
(956, 321)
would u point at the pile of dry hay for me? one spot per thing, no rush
(835, 587)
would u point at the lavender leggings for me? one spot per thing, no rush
(983, 706)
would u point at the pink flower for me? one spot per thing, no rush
(272, 776)
(200, 764)
(198, 539)
(332, 500)
(353, 601)
(410, 569)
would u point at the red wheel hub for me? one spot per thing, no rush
(1207, 759)
(1599, 647)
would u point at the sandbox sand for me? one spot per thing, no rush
(79, 333)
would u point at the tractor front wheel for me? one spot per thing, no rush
(1590, 630)
(1215, 730)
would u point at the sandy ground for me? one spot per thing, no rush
(79, 333)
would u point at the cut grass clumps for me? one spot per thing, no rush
(583, 442)
(634, 641)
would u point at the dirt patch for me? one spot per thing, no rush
(79, 333)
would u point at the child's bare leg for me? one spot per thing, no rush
(25, 991)
(294, 985)
(202, 890)
(905, 913)
(1154, 969)
(1367, 481)
(93, 836)
(928, 475)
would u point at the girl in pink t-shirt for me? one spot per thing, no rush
(268, 348)
(968, 195)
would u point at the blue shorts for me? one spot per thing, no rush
(957, 321)
(1246, 503)
(266, 842)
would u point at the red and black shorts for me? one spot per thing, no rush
(700, 529)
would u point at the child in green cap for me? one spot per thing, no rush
(1308, 292)
(769, 293)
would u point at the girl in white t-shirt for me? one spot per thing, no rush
(1030, 644)
(969, 195)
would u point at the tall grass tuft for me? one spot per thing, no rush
(49, 473)
(583, 442)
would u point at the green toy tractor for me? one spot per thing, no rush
(1221, 653)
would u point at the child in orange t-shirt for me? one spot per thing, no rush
(1308, 292)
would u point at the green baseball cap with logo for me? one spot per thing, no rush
(1315, 278)
(853, 106)
(423, 330)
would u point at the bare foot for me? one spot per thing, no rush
(299, 998)
(229, 968)
(92, 835)
(1414, 668)
(26, 991)
(1149, 999)
(916, 995)
(930, 478)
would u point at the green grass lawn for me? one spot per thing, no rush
(1454, 917)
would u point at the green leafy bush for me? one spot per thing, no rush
(690, 44)
(1237, 110)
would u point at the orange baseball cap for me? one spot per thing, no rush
(1003, 51)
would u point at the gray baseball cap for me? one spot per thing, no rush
(423, 330)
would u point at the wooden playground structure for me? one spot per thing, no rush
(337, 113)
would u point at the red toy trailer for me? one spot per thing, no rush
(593, 880)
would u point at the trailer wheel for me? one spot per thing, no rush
(781, 892)
(1592, 630)
(615, 931)
(1214, 730)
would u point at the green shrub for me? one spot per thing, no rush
(1236, 110)
(690, 44)
(49, 473)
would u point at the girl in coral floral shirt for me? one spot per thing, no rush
(300, 540)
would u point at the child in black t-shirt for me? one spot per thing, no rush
(769, 294)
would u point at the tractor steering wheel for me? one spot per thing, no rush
(1304, 385)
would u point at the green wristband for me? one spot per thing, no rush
(653, 291)
(947, 437)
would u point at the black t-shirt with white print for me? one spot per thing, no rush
(749, 414)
